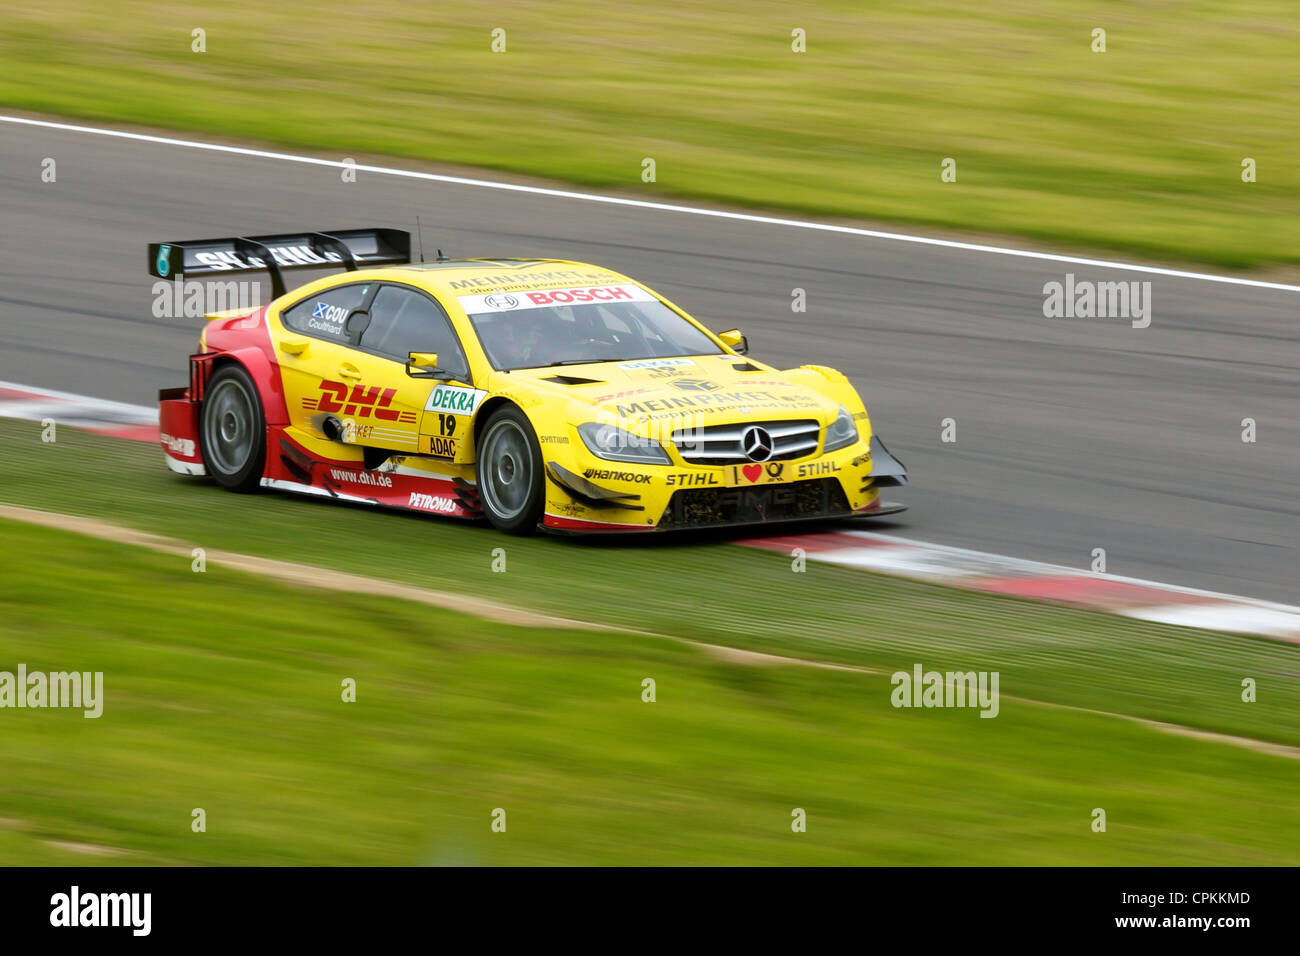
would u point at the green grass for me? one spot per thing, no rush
(1136, 149)
(704, 588)
(222, 692)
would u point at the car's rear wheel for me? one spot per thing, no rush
(510, 472)
(233, 430)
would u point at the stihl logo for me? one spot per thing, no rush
(362, 401)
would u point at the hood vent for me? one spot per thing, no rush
(572, 380)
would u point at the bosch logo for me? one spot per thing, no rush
(756, 444)
(500, 302)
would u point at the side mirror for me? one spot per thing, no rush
(734, 340)
(425, 365)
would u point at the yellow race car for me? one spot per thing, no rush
(536, 393)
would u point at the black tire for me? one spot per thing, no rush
(509, 472)
(232, 430)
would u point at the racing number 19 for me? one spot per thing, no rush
(446, 424)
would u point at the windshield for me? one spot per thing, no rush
(573, 326)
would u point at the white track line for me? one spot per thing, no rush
(989, 564)
(648, 204)
(1052, 583)
(72, 408)
(958, 562)
(921, 560)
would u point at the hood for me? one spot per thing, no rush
(701, 390)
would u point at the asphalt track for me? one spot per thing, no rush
(1072, 434)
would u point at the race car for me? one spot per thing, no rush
(535, 393)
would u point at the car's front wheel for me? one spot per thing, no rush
(510, 472)
(233, 430)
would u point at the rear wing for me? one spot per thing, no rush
(350, 248)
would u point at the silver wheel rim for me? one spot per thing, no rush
(507, 473)
(228, 425)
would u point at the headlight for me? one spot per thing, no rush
(615, 444)
(843, 431)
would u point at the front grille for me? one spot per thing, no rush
(705, 507)
(722, 445)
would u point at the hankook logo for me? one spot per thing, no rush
(756, 443)
(696, 385)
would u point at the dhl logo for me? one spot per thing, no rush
(359, 400)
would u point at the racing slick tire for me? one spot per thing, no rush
(232, 430)
(509, 472)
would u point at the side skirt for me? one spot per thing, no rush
(290, 467)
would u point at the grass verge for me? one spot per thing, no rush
(222, 691)
(701, 587)
(1138, 148)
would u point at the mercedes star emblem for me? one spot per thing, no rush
(756, 443)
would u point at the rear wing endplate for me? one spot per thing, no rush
(350, 248)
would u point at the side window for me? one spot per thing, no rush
(403, 321)
(323, 315)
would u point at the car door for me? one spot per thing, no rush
(433, 416)
(317, 361)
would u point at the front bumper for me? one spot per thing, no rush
(585, 494)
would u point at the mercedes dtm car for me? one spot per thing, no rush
(535, 393)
